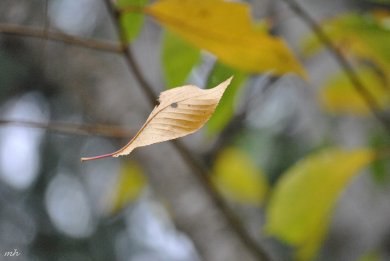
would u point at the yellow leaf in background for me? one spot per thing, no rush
(182, 111)
(338, 95)
(301, 204)
(130, 183)
(238, 179)
(226, 30)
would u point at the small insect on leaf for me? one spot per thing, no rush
(182, 111)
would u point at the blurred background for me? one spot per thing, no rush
(60, 102)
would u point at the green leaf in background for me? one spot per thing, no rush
(301, 204)
(178, 59)
(131, 182)
(379, 1)
(369, 35)
(366, 36)
(131, 22)
(351, 29)
(380, 168)
(338, 95)
(370, 257)
(238, 179)
(225, 109)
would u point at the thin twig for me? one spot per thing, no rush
(46, 18)
(45, 32)
(73, 129)
(342, 61)
(21, 30)
(202, 174)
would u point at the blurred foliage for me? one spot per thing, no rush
(365, 37)
(380, 168)
(131, 22)
(370, 257)
(339, 95)
(237, 178)
(130, 184)
(380, 1)
(178, 59)
(235, 41)
(301, 203)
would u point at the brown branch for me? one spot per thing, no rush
(21, 30)
(45, 32)
(72, 129)
(200, 172)
(342, 61)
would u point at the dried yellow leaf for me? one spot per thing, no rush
(182, 111)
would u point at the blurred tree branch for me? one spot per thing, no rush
(28, 31)
(342, 61)
(73, 129)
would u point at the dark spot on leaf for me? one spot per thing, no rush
(174, 105)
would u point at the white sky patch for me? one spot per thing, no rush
(149, 223)
(68, 207)
(19, 146)
(74, 17)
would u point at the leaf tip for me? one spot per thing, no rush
(229, 80)
(226, 83)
